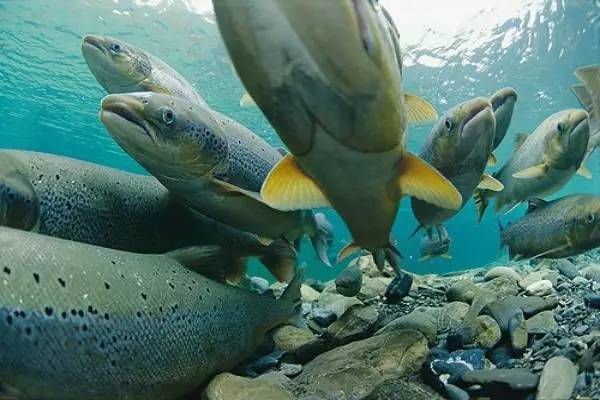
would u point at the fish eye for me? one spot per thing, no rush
(115, 47)
(168, 115)
(591, 218)
(560, 127)
(448, 124)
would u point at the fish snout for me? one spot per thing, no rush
(93, 43)
(479, 114)
(123, 113)
(503, 96)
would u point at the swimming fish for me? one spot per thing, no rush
(85, 322)
(542, 162)
(458, 146)
(328, 77)
(215, 172)
(555, 229)
(588, 95)
(89, 203)
(503, 104)
(121, 67)
(435, 245)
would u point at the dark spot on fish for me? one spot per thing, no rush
(36, 276)
(80, 313)
(122, 276)
(139, 314)
(28, 331)
(106, 285)
(113, 263)
(160, 309)
(90, 309)
(63, 314)
(6, 270)
(106, 316)
(62, 282)
(171, 285)
(207, 290)
(73, 312)
(9, 319)
(57, 177)
(144, 296)
(48, 311)
(84, 327)
(113, 363)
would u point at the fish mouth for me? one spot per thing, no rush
(122, 116)
(479, 109)
(93, 42)
(501, 97)
(578, 118)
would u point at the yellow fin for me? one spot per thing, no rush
(532, 172)
(490, 183)
(265, 241)
(492, 161)
(287, 187)
(584, 171)
(419, 110)
(520, 139)
(446, 256)
(247, 100)
(347, 251)
(418, 179)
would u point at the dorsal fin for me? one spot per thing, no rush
(584, 97)
(520, 139)
(535, 204)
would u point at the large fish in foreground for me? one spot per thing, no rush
(542, 163)
(588, 95)
(503, 104)
(555, 229)
(84, 322)
(89, 203)
(328, 76)
(459, 146)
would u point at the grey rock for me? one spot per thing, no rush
(356, 369)
(540, 288)
(580, 281)
(277, 378)
(288, 338)
(398, 289)
(323, 317)
(501, 286)
(308, 351)
(309, 294)
(422, 319)
(357, 323)
(590, 357)
(373, 287)
(567, 268)
(316, 284)
(463, 291)
(592, 273)
(290, 370)
(533, 277)
(451, 315)
(333, 301)
(581, 330)
(501, 381)
(517, 331)
(456, 393)
(541, 323)
(558, 379)
(349, 281)
(401, 389)
(498, 272)
(231, 387)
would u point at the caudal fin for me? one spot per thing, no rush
(322, 238)
(280, 259)
(481, 202)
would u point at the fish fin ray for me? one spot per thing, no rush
(228, 189)
(322, 238)
(536, 171)
(589, 75)
(584, 171)
(481, 202)
(210, 261)
(280, 259)
(419, 110)
(490, 183)
(584, 97)
(492, 160)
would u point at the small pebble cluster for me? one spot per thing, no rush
(519, 331)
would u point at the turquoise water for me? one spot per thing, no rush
(49, 100)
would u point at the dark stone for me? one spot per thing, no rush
(316, 284)
(460, 336)
(517, 332)
(398, 288)
(456, 393)
(500, 382)
(567, 268)
(593, 300)
(308, 351)
(455, 364)
(400, 389)
(323, 317)
(261, 364)
(349, 281)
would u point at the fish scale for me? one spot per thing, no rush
(78, 321)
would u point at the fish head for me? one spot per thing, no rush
(567, 139)
(583, 223)
(434, 245)
(19, 204)
(459, 132)
(503, 104)
(335, 66)
(171, 137)
(117, 65)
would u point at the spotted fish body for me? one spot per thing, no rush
(85, 322)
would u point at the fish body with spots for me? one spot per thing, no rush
(90, 203)
(85, 322)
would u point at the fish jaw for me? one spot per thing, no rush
(503, 104)
(478, 121)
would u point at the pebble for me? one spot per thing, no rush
(498, 272)
(398, 289)
(517, 331)
(349, 281)
(541, 323)
(323, 317)
(463, 290)
(540, 288)
(581, 330)
(567, 268)
(558, 379)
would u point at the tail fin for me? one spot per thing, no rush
(280, 259)
(292, 299)
(322, 238)
(211, 261)
(481, 202)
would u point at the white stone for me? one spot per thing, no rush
(540, 288)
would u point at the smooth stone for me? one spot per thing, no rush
(540, 288)
(259, 284)
(451, 315)
(231, 387)
(357, 323)
(308, 351)
(349, 282)
(541, 323)
(533, 277)
(567, 268)
(463, 290)
(501, 381)
(290, 370)
(354, 370)
(422, 319)
(455, 364)
(498, 272)
(277, 378)
(517, 331)
(592, 273)
(456, 393)
(398, 288)
(401, 389)
(502, 286)
(502, 357)
(580, 281)
(309, 294)
(323, 318)
(333, 301)
(373, 287)
(503, 309)
(288, 338)
(581, 330)
(558, 379)
(370, 269)
(316, 284)
(487, 332)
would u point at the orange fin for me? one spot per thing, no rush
(347, 251)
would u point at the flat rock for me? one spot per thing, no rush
(498, 272)
(288, 338)
(356, 369)
(463, 291)
(373, 287)
(540, 288)
(502, 286)
(335, 302)
(541, 323)
(533, 277)
(401, 389)
(451, 315)
(501, 381)
(558, 379)
(422, 319)
(357, 323)
(232, 387)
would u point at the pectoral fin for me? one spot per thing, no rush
(532, 172)
(418, 179)
(585, 172)
(347, 251)
(151, 87)
(425, 258)
(287, 187)
(490, 183)
(227, 189)
(492, 161)
(446, 256)
(419, 110)
(247, 100)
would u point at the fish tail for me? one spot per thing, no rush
(481, 202)
(292, 300)
(280, 259)
(322, 237)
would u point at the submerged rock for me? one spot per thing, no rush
(540, 288)
(323, 318)
(502, 286)
(517, 332)
(309, 294)
(288, 338)
(592, 273)
(541, 323)
(558, 379)
(373, 287)
(354, 370)
(451, 315)
(487, 332)
(357, 323)
(332, 301)
(232, 387)
(349, 281)
(498, 272)
(401, 389)
(398, 288)
(567, 268)
(501, 382)
(543, 274)
(463, 291)
(422, 319)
